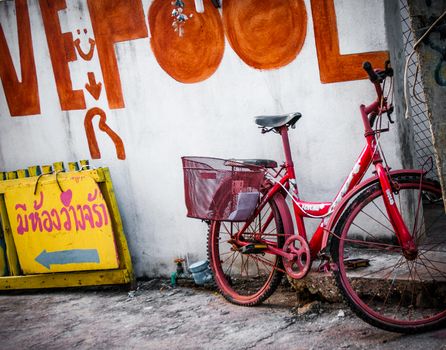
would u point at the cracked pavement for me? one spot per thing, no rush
(156, 316)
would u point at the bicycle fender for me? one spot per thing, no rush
(334, 217)
(285, 214)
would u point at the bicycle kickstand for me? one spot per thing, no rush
(325, 265)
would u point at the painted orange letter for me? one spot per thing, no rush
(61, 49)
(265, 34)
(91, 136)
(22, 97)
(196, 55)
(113, 22)
(334, 67)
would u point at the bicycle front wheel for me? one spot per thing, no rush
(247, 277)
(380, 284)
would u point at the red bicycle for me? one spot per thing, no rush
(386, 234)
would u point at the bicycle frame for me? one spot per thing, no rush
(388, 278)
(323, 210)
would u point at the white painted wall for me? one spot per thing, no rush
(164, 120)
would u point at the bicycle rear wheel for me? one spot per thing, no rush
(247, 278)
(382, 286)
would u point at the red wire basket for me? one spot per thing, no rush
(219, 189)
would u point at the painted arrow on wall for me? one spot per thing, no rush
(93, 88)
(72, 256)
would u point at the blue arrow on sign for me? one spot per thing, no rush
(72, 256)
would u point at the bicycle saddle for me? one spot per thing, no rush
(276, 121)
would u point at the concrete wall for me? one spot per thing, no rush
(432, 57)
(398, 58)
(166, 107)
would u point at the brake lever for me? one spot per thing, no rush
(388, 69)
(389, 115)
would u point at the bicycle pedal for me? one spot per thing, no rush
(253, 248)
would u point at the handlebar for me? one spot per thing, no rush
(369, 69)
(378, 75)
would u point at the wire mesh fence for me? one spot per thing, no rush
(424, 148)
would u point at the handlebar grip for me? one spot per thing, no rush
(369, 69)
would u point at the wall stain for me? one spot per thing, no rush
(66, 121)
(274, 87)
(2, 160)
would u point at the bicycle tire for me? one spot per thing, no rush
(247, 279)
(379, 284)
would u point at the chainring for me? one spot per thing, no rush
(300, 263)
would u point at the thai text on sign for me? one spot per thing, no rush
(61, 225)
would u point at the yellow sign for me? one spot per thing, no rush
(61, 225)
(3, 262)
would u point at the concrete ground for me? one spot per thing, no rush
(156, 316)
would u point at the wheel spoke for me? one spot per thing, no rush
(378, 222)
(433, 267)
(399, 263)
(229, 268)
(380, 210)
(375, 245)
(380, 271)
